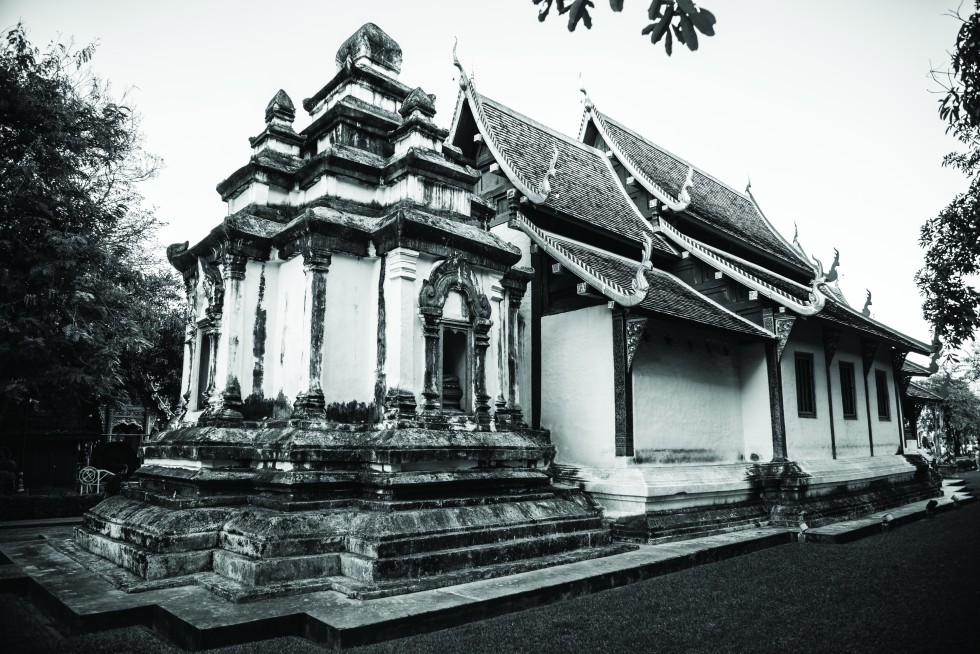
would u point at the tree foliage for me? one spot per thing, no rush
(668, 19)
(87, 308)
(952, 239)
(960, 410)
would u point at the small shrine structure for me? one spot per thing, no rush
(351, 416)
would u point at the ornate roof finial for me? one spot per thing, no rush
(685, 196)
(820, 276)
(832, 275)
(464, 81)
(280, 107)
(544, 188)
(748, 185)
(640, 283)
(866, 311)
(585, 94)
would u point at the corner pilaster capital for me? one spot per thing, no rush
(402, 263)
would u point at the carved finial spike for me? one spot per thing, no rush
(748, 184)
(685, 196)
(585, 94)
(866, 311)
(463, 80)
(647, 251)
(832, 275)
(544, 188)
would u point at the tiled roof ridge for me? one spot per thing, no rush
(526, 186)
(708, 300)
(676, 204)
(701, 251)
(745, 262)
(891, 330)
(744, 195)
(765, 219)
(606, 286)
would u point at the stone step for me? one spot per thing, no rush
(262, 572)
(146, 564)
(372, 570)
(237, 592)
(472, 537)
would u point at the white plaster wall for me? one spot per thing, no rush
(806, 438)
(520, 239)
(250, 296)
(289, 351)
(273, 325)
(851, 435)
(350, 344)
(686, 397)
(886, 433)
(577, 386)
(756, 417)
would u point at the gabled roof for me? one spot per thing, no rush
(616, 277)
(790, 294)
(553, 169)
(910, 367)
(920, 392)
(664, 175)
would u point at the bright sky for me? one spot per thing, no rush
(826, 105)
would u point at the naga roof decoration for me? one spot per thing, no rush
(638, 283)
(791, 294)
(731, 265)
(697, 193)
(552, 169)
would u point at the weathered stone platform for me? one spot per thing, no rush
(255, 512)
(82, 599)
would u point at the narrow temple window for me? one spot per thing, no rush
(806, 401)
(847, 390)
(881, 382)
(203, 370)
(455, 382)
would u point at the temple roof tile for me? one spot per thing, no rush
(713, 202)
(584, 184)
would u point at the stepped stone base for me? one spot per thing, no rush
(251, 513)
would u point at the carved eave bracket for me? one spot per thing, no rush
(635, 327)
(831, 338)
(869, 351)
(782, 326)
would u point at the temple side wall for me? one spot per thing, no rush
(577, 386)
(687, 404)
(756, 416)
(886, 433)
(806, 438)
(851, 435)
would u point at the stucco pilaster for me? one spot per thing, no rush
(310, 401)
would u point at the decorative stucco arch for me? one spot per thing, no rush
(454, 275)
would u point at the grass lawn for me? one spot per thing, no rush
(914, 589)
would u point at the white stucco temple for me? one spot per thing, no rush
(413, 353)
